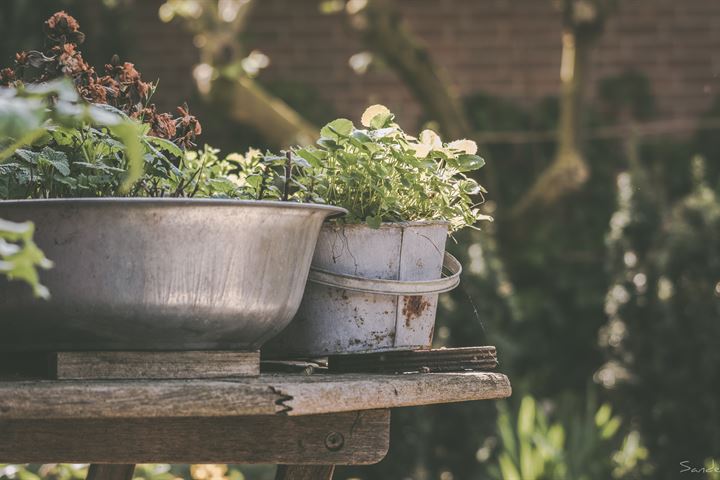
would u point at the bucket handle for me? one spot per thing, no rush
(391, 287)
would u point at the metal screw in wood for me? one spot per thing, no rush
(334, 441)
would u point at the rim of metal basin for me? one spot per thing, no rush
(391, 287)
(167, 202)
(383, 225)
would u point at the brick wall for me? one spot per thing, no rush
(509, 48)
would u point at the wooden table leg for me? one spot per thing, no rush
(110, 471)
(304, 472)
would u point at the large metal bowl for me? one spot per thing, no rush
(160, 274)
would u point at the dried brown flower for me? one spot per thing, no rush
(63, 28)
(163, 126)
(121, 87)
(188, 127)
(70, 60)
(94, 93)
(62, 22)
(21, 58)
(7, 76)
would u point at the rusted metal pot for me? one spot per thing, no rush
(160, 274)
(371, 290)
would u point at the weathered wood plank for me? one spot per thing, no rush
(426, 361)
(110, 472)
(305, 472)
(156, 365)
(291, 394)
(350, 392)
(344, 439)
(136, 399)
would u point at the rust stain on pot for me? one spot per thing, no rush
(379, 337)
(413, 307)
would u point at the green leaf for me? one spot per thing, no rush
(373, 221)
(361, 136)
(507, 468)
(309, 156)
(58, 160)
(27, 155)
(165, 145)
(603, 415)
(526, 417)
(610, 428)
(328, 143)
(382, 120)
(336, 129)
(467, 163)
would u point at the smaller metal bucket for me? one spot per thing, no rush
(371, 290)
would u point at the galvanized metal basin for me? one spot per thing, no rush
(161, 274)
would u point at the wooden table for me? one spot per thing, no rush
(305, 423)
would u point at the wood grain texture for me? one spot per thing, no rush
(350, 392)
(111, 472)
(345, 439)
(289, 394)
(426, 361)
(156, 365)
(50, 399)
(305, 472)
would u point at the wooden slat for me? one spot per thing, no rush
(111, 472)
(156, 365)
(136, 399)
(426, 361)
(344, 439)
(304, 472)
(291, 394)
(348, 392)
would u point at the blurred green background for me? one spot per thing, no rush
(599, 281)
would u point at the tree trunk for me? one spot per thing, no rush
(247, 102)
(569, 170)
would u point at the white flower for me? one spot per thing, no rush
(428, 141)
(421, 150)
(373, 111)
(432, 139)
(464, 145)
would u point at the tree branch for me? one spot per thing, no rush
(236, 92)
(383, 32)
(582, 24)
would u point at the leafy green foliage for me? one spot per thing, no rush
(252, 176)
(46, 131)
(32, 121)
(585, 446)
(20, 257)
(380, 173)
(663, 305)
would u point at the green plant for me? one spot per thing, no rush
(53, 144)
(664, 305)
(586, 446)
(121, 87)
(250, 176)
(20, 258)
(380, 173)
(34, 115)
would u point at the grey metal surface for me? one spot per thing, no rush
(160, 274)
(391, 287)
(384, 294)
